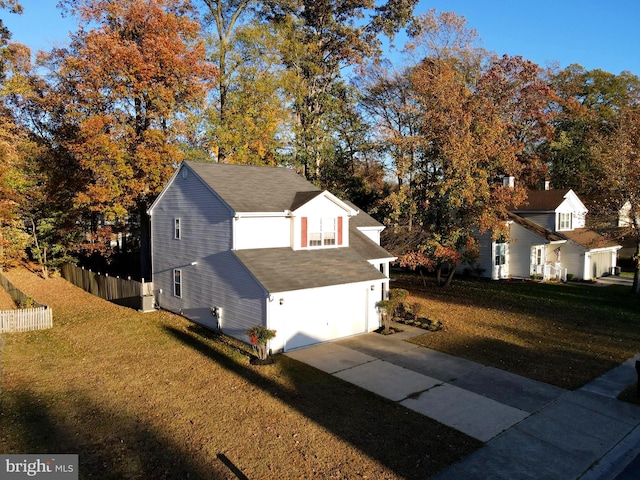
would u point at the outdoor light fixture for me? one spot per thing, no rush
(282, 301)
(373, 287)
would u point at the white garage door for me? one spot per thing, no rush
(306, 317)
(600, 264)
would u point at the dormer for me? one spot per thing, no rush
(571, 213)
(320, 220)
(555, 210)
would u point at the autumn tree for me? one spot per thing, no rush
(523, 99)
(250, 116)
(618, 154)
(588, 104)
(465, 150)
(13, 6)
(389, 99)
(322, 38)
(124, 86)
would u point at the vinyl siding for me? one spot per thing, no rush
(520, 250)
(546, 220)
(485, 258)
(218, 278)
(573, 259)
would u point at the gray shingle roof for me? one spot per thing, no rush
(249, 188)
(363, 219)
(589, 239)
(283, 269)
(363, 244)
(582, 236)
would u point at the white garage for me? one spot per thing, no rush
(305, 317)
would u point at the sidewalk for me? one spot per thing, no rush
(531, 429)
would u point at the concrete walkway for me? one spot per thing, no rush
(531, 429)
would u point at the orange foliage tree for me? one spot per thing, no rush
(465, 148)
(124, 89)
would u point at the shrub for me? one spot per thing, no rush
(259, 336)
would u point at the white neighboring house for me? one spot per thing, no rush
(624, 215)
(548, 239)
(234, 246)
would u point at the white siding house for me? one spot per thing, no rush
(548, 240)
(236, 246)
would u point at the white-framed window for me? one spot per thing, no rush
(321, 231)
(177, 282)
(176, 228)
(500, 254)
(565, 221)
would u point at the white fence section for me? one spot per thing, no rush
(25, 319)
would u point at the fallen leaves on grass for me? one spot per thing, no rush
(565, 335)
(154, 396)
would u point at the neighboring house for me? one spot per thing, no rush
(548, 240)
(234, 246)
(624, 215)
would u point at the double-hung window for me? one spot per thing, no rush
(177, 282)
(322, 231)
(564, 221)
(500, 253)
(176, 228)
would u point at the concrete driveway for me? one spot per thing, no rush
(531, 429)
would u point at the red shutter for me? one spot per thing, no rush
(339, 230)
(303, 242)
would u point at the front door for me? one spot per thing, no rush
(500, 260)
(537, 260)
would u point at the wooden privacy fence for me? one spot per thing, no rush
(34, 316)
(127, 292)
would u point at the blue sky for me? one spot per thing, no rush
(594, 34)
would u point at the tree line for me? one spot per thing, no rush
(423, 139)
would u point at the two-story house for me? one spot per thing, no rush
(234, 246)
(548, 240)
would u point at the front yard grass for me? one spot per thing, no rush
(562, 334)
(151, 396)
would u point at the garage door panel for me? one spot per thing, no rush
(306, 318)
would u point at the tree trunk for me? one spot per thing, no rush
(636, 263)
(145, 243)
(452, 272)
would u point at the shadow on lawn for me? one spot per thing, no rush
(411, 445)
(109, 444)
